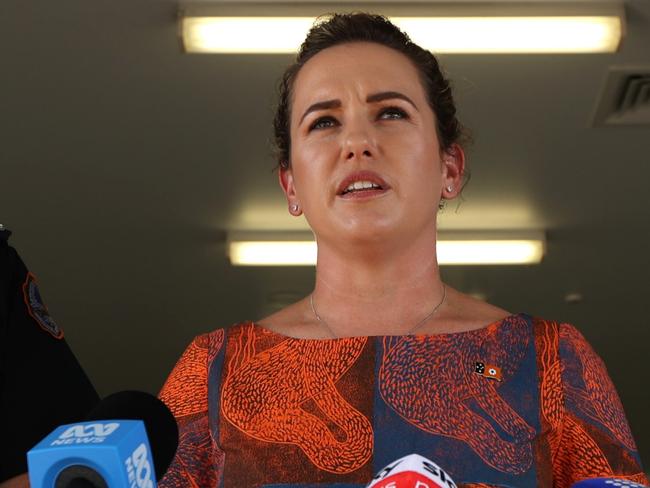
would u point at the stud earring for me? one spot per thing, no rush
(450, 188)
(294, 208)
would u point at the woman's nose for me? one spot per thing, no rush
(359, 143)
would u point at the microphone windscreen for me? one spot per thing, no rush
(159, 422)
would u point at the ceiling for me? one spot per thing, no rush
(124, 161)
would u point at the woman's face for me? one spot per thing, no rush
(360, 114)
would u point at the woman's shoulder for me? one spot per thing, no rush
(291, 321)
(468, 313)
(209, 338)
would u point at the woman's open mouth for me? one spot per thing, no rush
(362, 189)
(362, 184)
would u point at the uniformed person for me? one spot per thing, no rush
(42, 384)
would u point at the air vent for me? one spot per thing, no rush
(625, 99)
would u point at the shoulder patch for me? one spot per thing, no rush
(37, 309)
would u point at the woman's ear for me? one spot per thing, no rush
(285, 178)
(453, 171)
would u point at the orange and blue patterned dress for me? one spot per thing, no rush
(521, 403)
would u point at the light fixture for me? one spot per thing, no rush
(272, 249)
(453, 248)
(442, 28)
(494, 248)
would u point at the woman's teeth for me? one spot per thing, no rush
(361, 185)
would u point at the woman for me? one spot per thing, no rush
(383, 359)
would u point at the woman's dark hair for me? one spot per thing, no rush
(365, 27)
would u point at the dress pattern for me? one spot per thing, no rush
(259, 409)
(186, 394)
(422, 381)
(264, 394)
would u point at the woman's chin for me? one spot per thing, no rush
(370, 231)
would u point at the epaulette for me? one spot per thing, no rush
(4, 233)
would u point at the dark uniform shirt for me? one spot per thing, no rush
(42, 384)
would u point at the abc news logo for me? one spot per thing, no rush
(86, 434)
(138, 466)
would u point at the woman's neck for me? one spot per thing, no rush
(386, 293)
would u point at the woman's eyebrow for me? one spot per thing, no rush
(324, 105)
(374, 97)
(381, 96)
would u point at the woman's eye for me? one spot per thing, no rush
(322, 123)
(393, 113)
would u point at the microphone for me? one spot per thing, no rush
(607, 483)
(412, 471)
(111, 448)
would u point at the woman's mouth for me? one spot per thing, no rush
(362, 184)
(362, 189)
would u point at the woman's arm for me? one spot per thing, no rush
(593, 438)
(198, 461)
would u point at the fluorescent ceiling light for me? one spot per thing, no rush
(490, 252)
(273, 253)
(242, 35)
(458, 248)
(473, 34)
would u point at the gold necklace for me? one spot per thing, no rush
(413, 329)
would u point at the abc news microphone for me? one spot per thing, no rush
(127, 441)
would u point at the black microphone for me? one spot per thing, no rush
(159, 422)
(114, 447)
